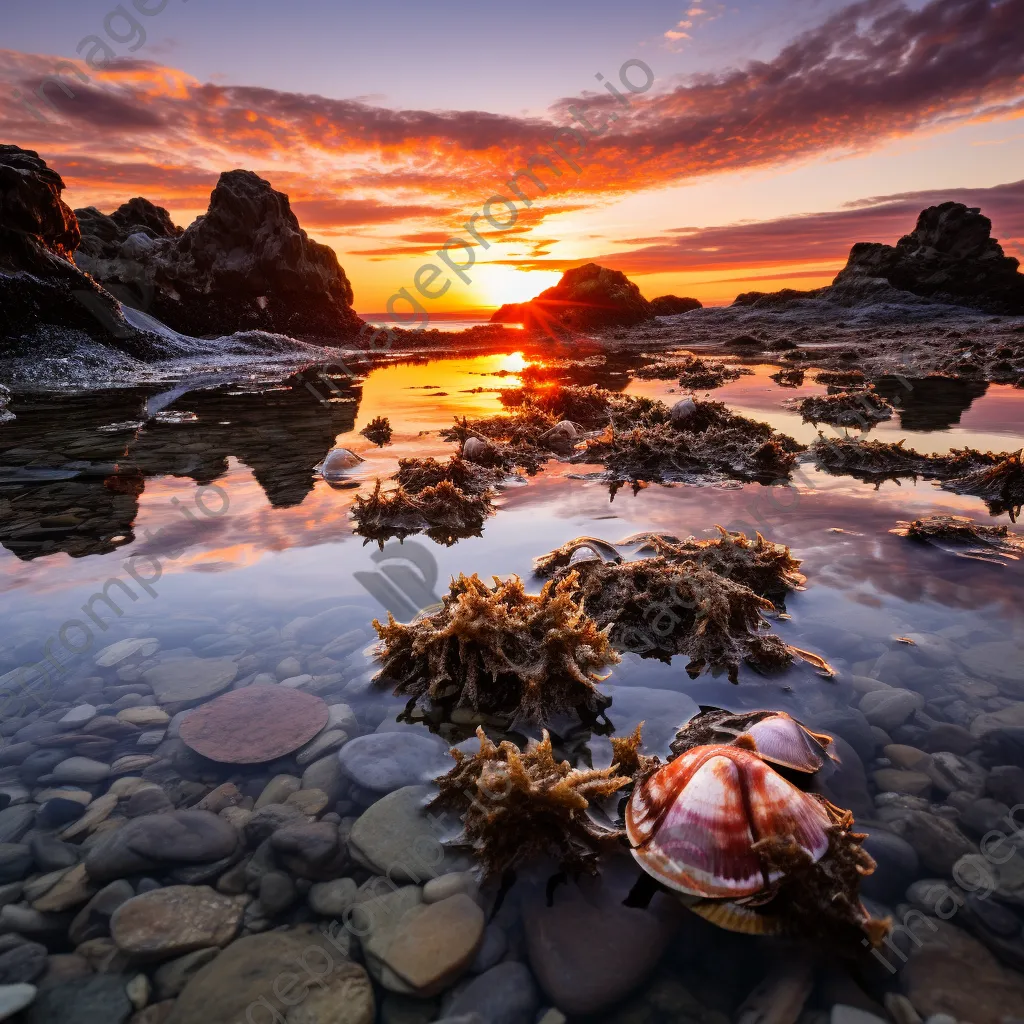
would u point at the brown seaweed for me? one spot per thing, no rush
(417, 474)
(586, 404)
(659, 609)
(790, 377)
(766, 567)
(963, 536)
(518, 806)
(880, 460)
(862, 408)
(661, 453)
(821, 900)
(502, 652)
(378, 430)
(694, 372)
(1000, 486)
(443, 511)
(842, 379)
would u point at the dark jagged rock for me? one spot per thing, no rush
(950, 256)
(671, 305)
(587, 298)
(40, 285)
(510, 313)
(103, 236)
(245, 265)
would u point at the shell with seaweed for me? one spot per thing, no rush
(695, 823)
(778, 738)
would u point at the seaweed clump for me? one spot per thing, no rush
(710, 443)
(586, 404)
(820, 899)
(506, 441)
(502, 652)
(862, 408)
(443, 512)
(656, 608)
(518, 806)
(378, 430)
(842, 380)
(964, 537)
(789, 377)
(1000, 486)
(693, 372)
(416, 475)
(766, 567)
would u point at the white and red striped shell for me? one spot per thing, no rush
(693, 823)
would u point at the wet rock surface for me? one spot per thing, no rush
(246, 264)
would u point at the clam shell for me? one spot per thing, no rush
(693, 823)
(338, 463)
(785, 741)
(475, 449)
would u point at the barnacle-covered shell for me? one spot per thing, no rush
(693, 824)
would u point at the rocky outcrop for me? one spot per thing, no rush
(245, 265)
(950, 256)
(672, 305)
(40, 286)
(587, 298)
(510, 313)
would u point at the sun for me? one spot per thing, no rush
(496, 285)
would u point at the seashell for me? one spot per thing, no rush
(338, 463)
(682, 411)
(475, 449)
(778, 737)
(693, 824)
(785, 741)
(563, 431)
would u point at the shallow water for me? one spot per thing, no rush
(249, 539)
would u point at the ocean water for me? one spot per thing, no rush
(209, 508)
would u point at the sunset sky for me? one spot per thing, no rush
(774, 135)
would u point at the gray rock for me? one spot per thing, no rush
(327, 776)
(332, 899)
(41, 763)
(15, 862)
(938, 843)
(277, 893)
(16, 821)
(93, 920)
(50, 854)
(83, 770)
(170, 979)
(850, 725)
(150, 800)
(491, 950)
(394, 837)
(949, 772)
(587, 950)
(24, 963)
(897, 866)
(78, 716)
(189, 837)
(890, 708)
(14, 998)
(506, 994)
(100, 999)
(852, 1015)
(1005, 783)
(188, 680)
(59, 811)
(385, 761)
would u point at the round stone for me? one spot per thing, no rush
(182, 680)
(254, 724)
(125, 649)
(174, 921)
(385, 761)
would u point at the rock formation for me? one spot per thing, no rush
(245, 265)
(670, 305)
(40, 286)
(587, 298)
(950, 256)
